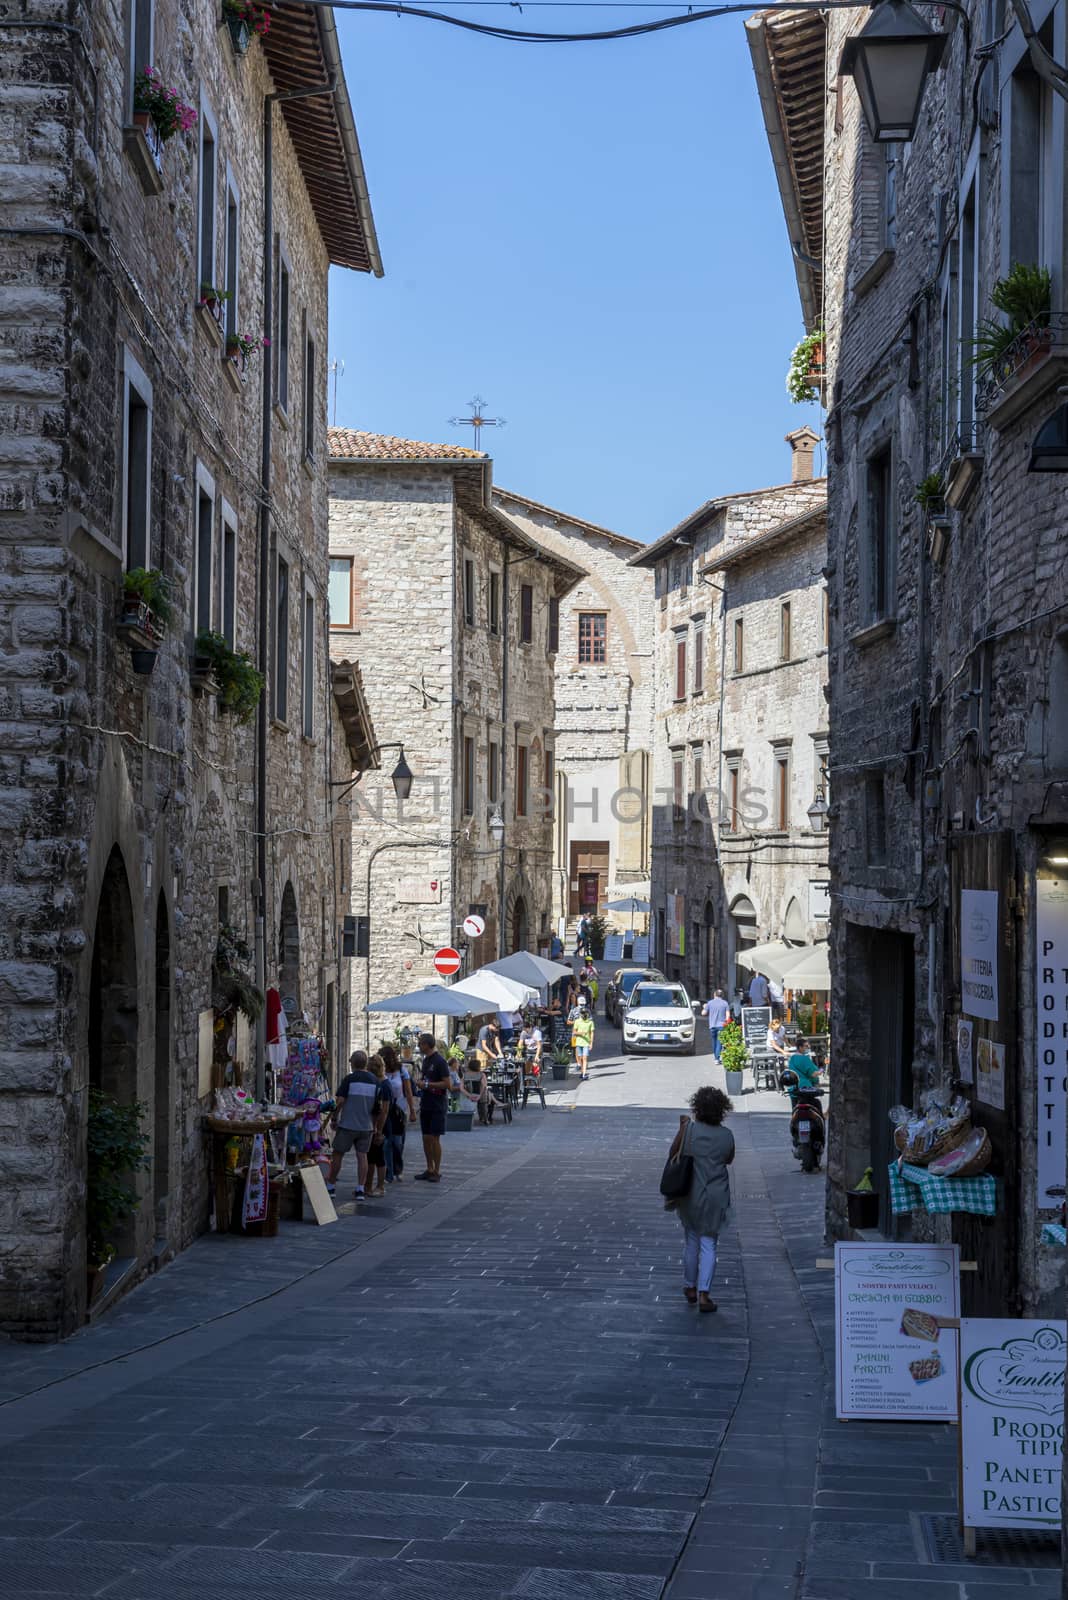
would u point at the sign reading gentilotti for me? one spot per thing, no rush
(1012, 1422)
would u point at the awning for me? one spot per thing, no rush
(807, 967)
(766, 957)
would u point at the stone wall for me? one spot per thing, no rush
(942, 716)
(433, 680)
(114, 784)
(604, 713)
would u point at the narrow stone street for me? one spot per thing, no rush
(493, 1389)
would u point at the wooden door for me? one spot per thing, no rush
(891, 958)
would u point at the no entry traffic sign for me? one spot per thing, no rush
(447, 961)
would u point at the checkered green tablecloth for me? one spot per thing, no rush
(916, 1189)
(1054, 1233)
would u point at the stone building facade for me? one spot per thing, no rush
(949, 765)
(604, 715)
(454, 611)
(740, 721)
(133, 803)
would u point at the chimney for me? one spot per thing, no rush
(802, 444)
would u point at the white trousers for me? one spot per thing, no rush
(698, 1261)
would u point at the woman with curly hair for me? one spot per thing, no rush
(703, 1209)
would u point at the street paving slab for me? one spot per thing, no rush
(491, 1389)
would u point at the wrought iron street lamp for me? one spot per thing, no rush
(817, 814)
(401, 778)
(496, 825)
(890, 60)
(1049, 452)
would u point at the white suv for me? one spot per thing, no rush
(659, 1016)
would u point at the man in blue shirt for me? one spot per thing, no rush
(362, 1103)
(717, 1011)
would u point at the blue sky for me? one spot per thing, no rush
(589, 236)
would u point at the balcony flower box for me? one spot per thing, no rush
(144, 612)
(158, 114)
(243, 18)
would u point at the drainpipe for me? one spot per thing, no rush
(503, 786)
(263, 629)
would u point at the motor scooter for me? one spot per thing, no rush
(808, 1126)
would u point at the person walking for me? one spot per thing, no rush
(717, 1011)
(433, 1105)
(582, 936)
(376, 1155)
(582, 1030)
(703, 1210)
(401, 1112)
(759, 993)
(362, 1101)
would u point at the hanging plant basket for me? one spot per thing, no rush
(143, 661)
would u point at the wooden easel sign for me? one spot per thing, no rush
(315, 1188)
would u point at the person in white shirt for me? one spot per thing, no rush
(717, 1011)
(778, 999)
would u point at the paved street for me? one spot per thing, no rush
(489, 1389)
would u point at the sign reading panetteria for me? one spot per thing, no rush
(1012, 1422)
(893, 1359)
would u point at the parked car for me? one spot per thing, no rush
(659, 1016)
(617, 991)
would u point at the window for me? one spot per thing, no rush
(281, 639)
(339, 592)
(699, 658)
(950, 353)
(469, 591)
(140, 43)
(875, 820)
(698, 783)
(494, 773)
(204, 583)
(468, 797)
(228, 627)
(309, 396)
(825, 616)
(281, 335)
(494, 601)
(680, 666)
(879, 547)
(782, 790)
(969, 299)
(592, 638)
(208, 164)
(526, 613)
(307, 669)
(553, 642)
(233, 255)
(891, 167)
(548, 781)
(1035, 165)
(522, 784)
(678, 787)
(739, 644)
(734, 794)
(784, 631)
(137, 464)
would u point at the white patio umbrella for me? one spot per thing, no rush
(535, 971)
(808, 968)
(437, 1000)
(638, 906)
(489, 985)
(768, 958)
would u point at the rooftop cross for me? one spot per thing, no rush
(476, 421)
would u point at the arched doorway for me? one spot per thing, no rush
(164, 1094)
(113, 1014)
(289, 948)
(741, 931)
(793, 927)
(520, 924)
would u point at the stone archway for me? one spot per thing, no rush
(289, 947)
(164, 1088)
(113, 1012)
(741, 930)
(793, 926)
(520, 924)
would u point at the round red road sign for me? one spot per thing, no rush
(447, 961)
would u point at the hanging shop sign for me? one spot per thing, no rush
(1051, 988)
(979, 953)
(893, 1362)
(1012, 1422)
(819, 900)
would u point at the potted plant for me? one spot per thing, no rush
(930, 495)
(212, 301)
(243, 18)
(805, 377)
(115, 1149)
(560, 1056)
(229, 673)
(232, 988)
(144, 612)
(598, 931)
(239, 346)
(1024, 297)
(734, 1055)
(158, 112)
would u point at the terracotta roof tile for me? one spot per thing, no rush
(350, 444)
